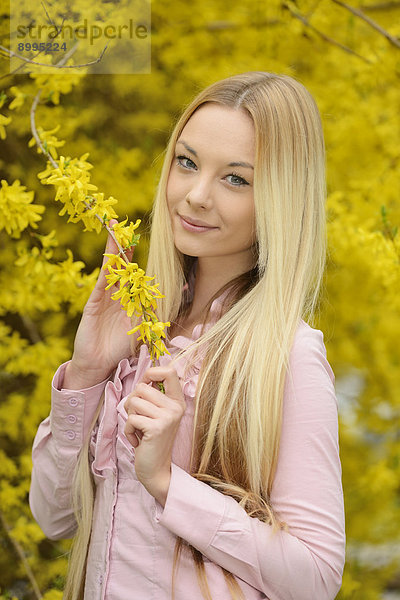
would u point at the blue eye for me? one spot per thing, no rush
(184, 158)
(240, 181)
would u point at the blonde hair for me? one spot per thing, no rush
(237, 420)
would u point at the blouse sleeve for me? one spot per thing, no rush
(55, 451)
(306, 562)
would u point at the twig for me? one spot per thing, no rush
(66, 56)
(57, 65)
(34, 130)
(223, 25)
(21, 66)
(312, 10)
(64, 59)
(56, 166)
(21, 554)
(49, 18)
(30, 326)
(382, 6)
(325, 37)
(373, 24)
(388, 231)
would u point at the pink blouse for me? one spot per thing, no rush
(133, 536)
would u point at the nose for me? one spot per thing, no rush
(199, 195)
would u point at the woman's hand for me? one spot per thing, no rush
(101, 340)
(152, 425)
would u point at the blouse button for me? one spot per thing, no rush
(71, 419)
(71, 435)
(73, 402)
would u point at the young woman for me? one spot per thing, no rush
(229, 484)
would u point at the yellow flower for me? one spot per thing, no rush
(97, 206)
(4, 121)
(16, 209)
(53, 84)
(135, 293)
(125, 235)
(158, 328)
(50, 142)
(138, 298)
(74, 190)
(19, 98)
(157, 349)
(151, 333)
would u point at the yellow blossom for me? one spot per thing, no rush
(138, 298)
(71, 178)
(125, 235)
(19, 98)
(48, 241)
(158, 348)
(50, 142)
(98, 205)
(53, 84)
(151, 333)
(16, 209)
(4, 121)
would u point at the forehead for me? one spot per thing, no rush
(221, 128)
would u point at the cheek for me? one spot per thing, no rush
(245, 219)
(246, 228)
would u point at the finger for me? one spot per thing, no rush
(111, 246)
(129, 253)
(136, 425)
(168, 376)
(134, 436)
(146, 391)
(141, 406)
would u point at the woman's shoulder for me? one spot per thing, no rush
(307, 337)
(308, 351)
(309, 391)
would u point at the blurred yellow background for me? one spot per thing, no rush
(348, 56)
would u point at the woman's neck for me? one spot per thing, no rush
(211, 276)
(209, 279)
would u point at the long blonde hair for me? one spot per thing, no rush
(237, 420)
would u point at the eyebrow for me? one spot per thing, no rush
(231, 164)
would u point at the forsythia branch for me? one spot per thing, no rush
(293, 11)
(55, 165)
(371, 22)
(58, 65)
(136, 296)
(21, 554)
(31, 328)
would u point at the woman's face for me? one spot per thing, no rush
(210, 186)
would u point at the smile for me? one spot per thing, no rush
(197, 228)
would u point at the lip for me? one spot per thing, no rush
(195, 224)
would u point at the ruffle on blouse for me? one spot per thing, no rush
(102, 446)
(103, 452)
